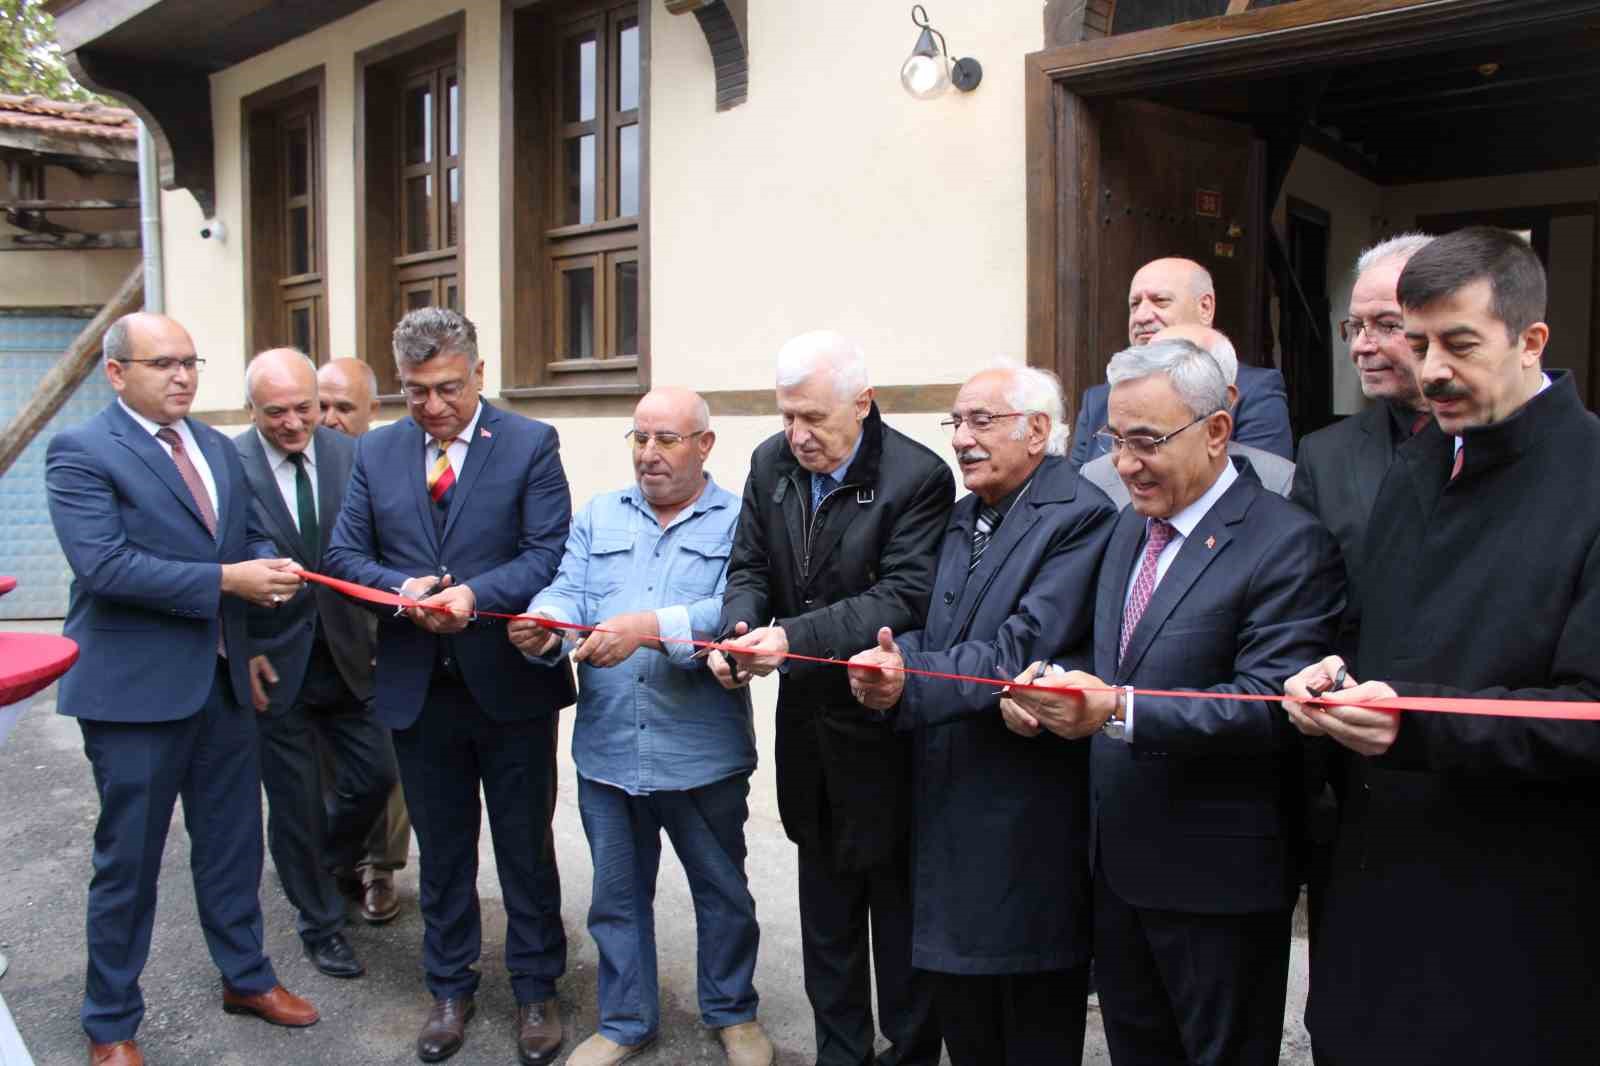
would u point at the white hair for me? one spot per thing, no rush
(823, 350)
(250, 372)
(1194, 372)
(1402, 247)
(1036, 391)
(1221, 349)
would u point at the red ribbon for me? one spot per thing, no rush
(1556, 709)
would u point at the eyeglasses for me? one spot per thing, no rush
(1380, 331)
(449, 391)
(166, 364)
(664, 441)
(1141, 445)
(978, 420)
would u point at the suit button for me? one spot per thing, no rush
(949, 598)
(810, 602)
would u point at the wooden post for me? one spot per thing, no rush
(1236, 6)
(75, 364)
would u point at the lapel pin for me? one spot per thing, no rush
(485, 434)
(1211, 542)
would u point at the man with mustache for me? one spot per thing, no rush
(1459, 924)
(1179, 292)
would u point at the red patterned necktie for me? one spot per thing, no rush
(1419, 422)
(191, 476)
(442, 476)
(1455, 467)
(1144, 585)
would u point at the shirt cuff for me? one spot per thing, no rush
(1127, 714)
(672, 626)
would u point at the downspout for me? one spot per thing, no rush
(155, 293)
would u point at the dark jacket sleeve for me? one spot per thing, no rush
(899, 598)
(352, 553)
(1264, 416)
(1082, 431)
(546, 516)
(1304, 490)
(746, 596)
(1292, 611)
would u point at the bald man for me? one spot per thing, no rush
(311, 675)
(658, 743)
(1179, 292)
(347, 391)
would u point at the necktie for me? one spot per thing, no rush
(1419, 422)
(306, 504)
(1455, 467)
(821, 485)
(1144, 585)
(982, 529)
(191, 476)
(442, 477)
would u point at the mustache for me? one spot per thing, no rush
(1444, 390)
(972, 455)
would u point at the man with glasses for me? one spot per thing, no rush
(1000, 824)
(657, 742)
(1212, 584)
(153, 513)
(465, 507)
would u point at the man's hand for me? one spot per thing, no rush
(458, 599)
(261, 675)
(531, 638)
(728, 673)
(879, 688)
(762, 649)
(1018, 720)
(263, 582)
(1067, 713)
(625, 632)
(1365, 732)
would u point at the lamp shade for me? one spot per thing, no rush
(923, 74)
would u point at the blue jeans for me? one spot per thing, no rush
(706, 827)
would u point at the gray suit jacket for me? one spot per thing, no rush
(1275, 473)
(284, 634)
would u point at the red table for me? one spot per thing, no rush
(30, 662)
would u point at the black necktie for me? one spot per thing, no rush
(982, 530)
(306, 504)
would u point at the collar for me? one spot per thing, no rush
(1401, 417)
(466, 436)
(1486, 434)
(840, 472)
(708, 499)
(276, 456)
(1187, 519)
(864, 460)
(144, 423)
(1010, 499)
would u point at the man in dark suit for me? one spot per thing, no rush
(466, 506)
(152, 511)
(1460, 923)
(1215, 585)
(837, 538)
(311, 675)
(1178, 292)
(1000, 834)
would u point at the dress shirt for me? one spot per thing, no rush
(457, 450)
(656, 722)
(283, 473)
(838, 473)
(190, 445)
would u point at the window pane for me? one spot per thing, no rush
(579, 63)
(627, 310)
(628, 150)
(419, 209)
(418, 298)
(419, 124)
(300, 240)
(579, 298)
(628, 67)
(300, 330)
(453, 218)
(580, 180)
(452, 133)
(299, 158)
(452, 296)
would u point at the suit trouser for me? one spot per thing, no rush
(444, 755)
(706, 827)
(307, 838)
(836, 908)
(1180, 989)
(141, 769)
(389, 840)
(1014, 1019)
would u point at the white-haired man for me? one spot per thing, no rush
(1000, 824)
(837, 538)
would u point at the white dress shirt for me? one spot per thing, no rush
(283, 472)
(190, 445)
(457, 450)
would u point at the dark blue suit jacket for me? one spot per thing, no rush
(503, 536)
(1201, 812)
(147, 581)
(1260, 419)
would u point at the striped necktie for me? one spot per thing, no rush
(1144, 584)
(982, 531)
(442, 476)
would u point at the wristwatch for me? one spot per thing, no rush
(1116, 727)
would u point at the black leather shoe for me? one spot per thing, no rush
(446, 1028)
(335, 957)
(539, 1031)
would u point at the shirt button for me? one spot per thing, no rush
(641, 725)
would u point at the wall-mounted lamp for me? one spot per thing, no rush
(928, 70)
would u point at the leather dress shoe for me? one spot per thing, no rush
(121, 1053)
(378, 901)
(446, 1028)
(279, 1006)
(538, 1031)
(335, 957)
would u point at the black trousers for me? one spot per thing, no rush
(1180, 989)
(1020, 1019)
(309, 837)
(444, 756)
(836, 909)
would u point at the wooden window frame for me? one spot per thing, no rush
(538, 241)
(271, 293)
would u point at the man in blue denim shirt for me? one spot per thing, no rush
(658, 743)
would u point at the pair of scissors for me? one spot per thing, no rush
(1337, 683)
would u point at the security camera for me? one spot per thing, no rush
(212, 229)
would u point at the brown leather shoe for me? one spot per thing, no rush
(446, 1028)
(121, 1053)
(279, 1006)
(538, 1032)
(379, 903)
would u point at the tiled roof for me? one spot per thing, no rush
(67, 119)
